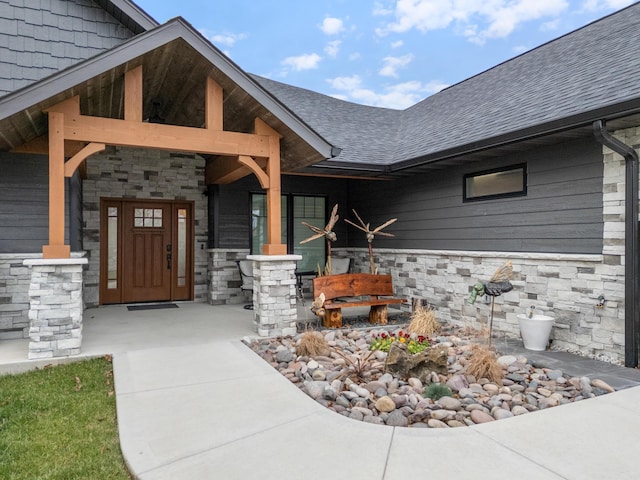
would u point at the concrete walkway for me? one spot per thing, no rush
(195, 403)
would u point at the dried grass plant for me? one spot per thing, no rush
(312, 344)
(423, 321)
(484, 364)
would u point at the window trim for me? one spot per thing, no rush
(493, 196)
(289, 219)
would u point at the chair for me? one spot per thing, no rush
(246, 275)
(340, 265)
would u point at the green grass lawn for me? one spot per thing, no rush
(60, 423)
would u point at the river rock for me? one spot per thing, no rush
(385, 404)
(478, 416)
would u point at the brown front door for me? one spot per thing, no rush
(146, 251)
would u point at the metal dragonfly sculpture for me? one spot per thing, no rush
(327, 233)
(366, 228)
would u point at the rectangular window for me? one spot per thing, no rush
(497, 183)
(295, 210)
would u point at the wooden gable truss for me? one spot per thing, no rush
(238, 154)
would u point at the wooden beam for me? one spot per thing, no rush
(56, 247)
(213, 107)
(113, 131)
(263, 178)
(75, 161)
(225, 170)
(133, 95)
(40, 146)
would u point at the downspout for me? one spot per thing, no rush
(631, 327)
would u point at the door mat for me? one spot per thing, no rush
(155, 306)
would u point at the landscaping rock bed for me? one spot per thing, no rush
(350, 379)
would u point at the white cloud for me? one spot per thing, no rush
(355, 56)
(397, 44)
(392, 64)
(380, 10)
(307, 61)
(332, 26)
(332, 48)
(593, 5)
(226, 39)
(345, 83)
(399, 96)
(478, 19)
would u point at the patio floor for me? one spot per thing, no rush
(195, 403)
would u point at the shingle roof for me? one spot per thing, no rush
(590, 73)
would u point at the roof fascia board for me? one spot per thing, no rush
(135, 13)
(583, 119)
(141, 44)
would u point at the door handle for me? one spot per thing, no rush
(168, 261)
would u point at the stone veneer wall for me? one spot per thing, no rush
(564, 286)
(224, 277)
(144, 174)
(55, 307)
(15, 278)
(274, 294)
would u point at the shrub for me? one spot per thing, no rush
(436, 391)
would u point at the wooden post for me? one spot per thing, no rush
(56, 247)
(274, 245)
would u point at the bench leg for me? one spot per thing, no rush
(378, 314)
(332, 318)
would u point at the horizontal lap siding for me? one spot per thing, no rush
(24, 199)
(562, 211)
(233, 224)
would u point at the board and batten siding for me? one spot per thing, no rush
(561, 213)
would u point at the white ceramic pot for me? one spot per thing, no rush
(535, 331)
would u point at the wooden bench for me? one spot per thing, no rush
(354, 290)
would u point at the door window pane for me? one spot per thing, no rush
(112, 247)
(182, 247)
(147, 217)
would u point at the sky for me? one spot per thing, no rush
(382, 53)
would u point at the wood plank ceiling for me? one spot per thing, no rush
(174, 93)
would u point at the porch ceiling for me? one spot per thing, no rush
(174, 77)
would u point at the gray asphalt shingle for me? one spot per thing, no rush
(591, 68)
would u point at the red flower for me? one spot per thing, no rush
(383, 335)
(421, 338)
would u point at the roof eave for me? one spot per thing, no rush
(582, 119)
(139, 45)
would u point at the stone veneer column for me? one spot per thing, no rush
(274, 294)
(55, 307)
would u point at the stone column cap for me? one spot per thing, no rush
(31, 262)
(274, 258)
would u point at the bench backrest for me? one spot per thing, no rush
(352, 285)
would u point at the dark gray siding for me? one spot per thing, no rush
(233, 206)
(39, 38)
(24, 213)
(562, 211)
(24, 200)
